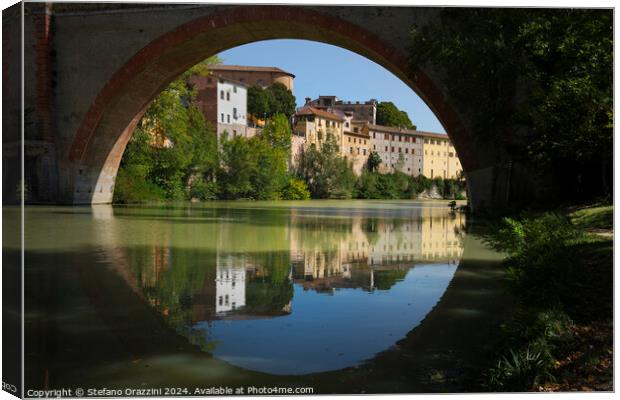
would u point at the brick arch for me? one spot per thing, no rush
(100, 140)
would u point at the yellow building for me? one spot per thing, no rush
(312, 127)
(356, 144)
(439, 156)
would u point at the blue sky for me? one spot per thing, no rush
(322, 69)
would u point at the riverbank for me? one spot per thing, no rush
(560, 268)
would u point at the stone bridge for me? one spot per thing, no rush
(90, 71)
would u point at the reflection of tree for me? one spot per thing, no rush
(269, 291)
(385, 279)
(170, 289)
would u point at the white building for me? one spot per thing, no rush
(232, 100)
(229, 284)
(223, 102)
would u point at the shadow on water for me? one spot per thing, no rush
(104, 318)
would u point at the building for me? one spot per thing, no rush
(223, 102)
(311, 127)
(440, 157)
(250, 75)
(361, 111)
(399, 149)
(356, 144)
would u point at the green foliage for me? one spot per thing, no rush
(546, 73)
(374, 160)
(130, 189)
(277, 133)
(255, 168)
(258, 102)
(398, 185)
(326, 172)
(295, 189)
(522, 370)
(204, 190)
(389, 115)
(267, 103)
(150, 171)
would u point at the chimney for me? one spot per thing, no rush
(308, 100)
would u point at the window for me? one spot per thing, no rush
(358, 150)
(374, 147)
(364, 151)
(222, 117)
(400, 150)
(234, 113)
(373, 135)
(412, 151)
(356, 130)
(392, 149)
(406, 151)
(413, 140)
(228, 96)
(351, 150)
(349, 139)
(346, 124)
(386, 149)
(222, 94)
(228, 118)
(400, 138)
(234, 89)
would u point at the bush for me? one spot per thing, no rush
(295, 189)
(520, 371)
(129, 190)
(203, 190)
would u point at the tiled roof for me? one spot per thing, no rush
(248, 68)
(391, 129)
(309, 110)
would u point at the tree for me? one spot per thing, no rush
(374, 160)
(389, 115)
(325, 171)
(258, 103)
(282, 101)
(278, 133)
(275, 99)
(545, 73)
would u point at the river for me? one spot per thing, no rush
(338, 296)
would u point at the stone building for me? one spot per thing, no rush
(440, 157)
(361, 111)
(223, 102)
(250, 75)
(356, 144)
(399, 149)
(312, 125)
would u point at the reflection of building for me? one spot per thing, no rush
(229, 285)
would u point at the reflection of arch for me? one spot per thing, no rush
(100, 140)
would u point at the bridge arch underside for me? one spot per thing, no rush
(93, 158)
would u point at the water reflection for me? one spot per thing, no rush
(290, 291)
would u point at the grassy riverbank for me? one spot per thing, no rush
(560, 268)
